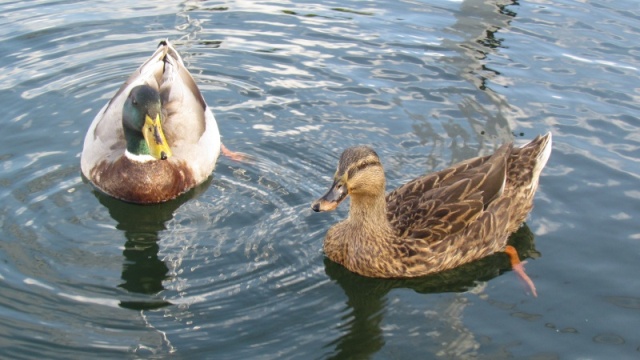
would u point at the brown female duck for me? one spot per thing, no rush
(435, 222)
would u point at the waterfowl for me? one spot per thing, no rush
(156, 138)
(434, 222)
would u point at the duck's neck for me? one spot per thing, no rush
(135, 142)
(370, 213)
(365, 231)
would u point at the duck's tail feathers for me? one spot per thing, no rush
(532, 158)
(543, 144)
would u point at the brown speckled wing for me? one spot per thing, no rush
(444, 203)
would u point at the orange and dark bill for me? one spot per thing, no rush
(332, 198)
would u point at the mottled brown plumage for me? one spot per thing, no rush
(435, 222)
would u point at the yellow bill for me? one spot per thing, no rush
(154, 136)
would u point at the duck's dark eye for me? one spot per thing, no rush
(133, 99)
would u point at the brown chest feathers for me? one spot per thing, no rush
(143, 182)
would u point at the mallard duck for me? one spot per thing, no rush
(435, 222)
(156, 138)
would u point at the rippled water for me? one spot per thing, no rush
(235, 268)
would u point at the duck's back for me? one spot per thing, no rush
(440, 205)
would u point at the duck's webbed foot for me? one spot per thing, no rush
(233, 155)
(518, 268)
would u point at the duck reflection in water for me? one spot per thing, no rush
(367, 300)
(142, 271)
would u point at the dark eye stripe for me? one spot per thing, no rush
(352, 171)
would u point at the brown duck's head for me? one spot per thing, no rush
(142, 123)
(359, 174)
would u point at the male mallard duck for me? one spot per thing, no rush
(156, 138)
(435, 222)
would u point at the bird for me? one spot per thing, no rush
(156, 138)
(435, 222)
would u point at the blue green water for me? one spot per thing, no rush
(235, 269)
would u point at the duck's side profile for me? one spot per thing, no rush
(435, 222)
(156, 138)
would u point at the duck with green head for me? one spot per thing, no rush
(156, 138)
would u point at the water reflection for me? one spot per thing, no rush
(488, 114)
(142, 271)
(367, 297)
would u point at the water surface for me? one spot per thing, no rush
(234, 269)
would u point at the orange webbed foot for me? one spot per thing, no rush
(233, 155)
(518, 268)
